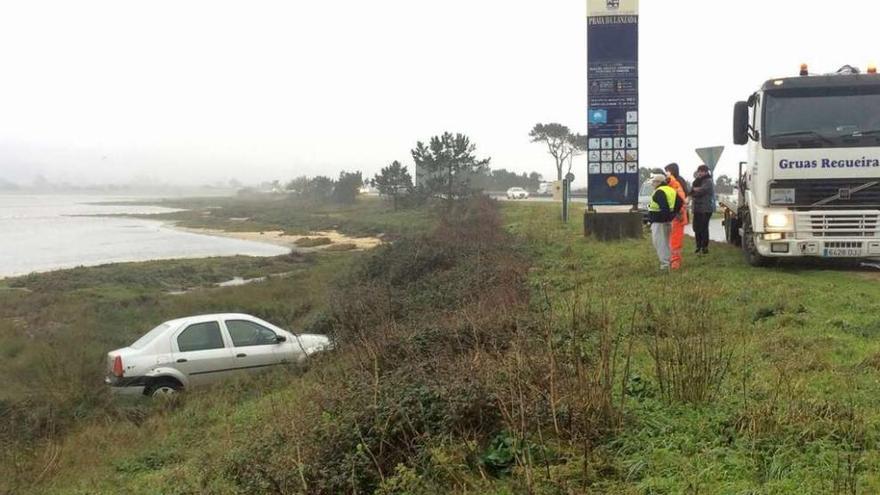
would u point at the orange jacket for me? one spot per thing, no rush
(673, 183)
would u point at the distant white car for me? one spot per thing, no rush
(517, 193)
(188, 352)
(645, 193)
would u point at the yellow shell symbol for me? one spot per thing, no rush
(612, 181)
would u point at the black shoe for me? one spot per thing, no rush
(698, 251)
(705, 250)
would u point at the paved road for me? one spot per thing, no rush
(503, 197)
(716, 230)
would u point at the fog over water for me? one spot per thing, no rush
(43, 232)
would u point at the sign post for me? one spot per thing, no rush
(710, 156)
(612, 119)
(566, 195)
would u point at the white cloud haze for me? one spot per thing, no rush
(199, 91)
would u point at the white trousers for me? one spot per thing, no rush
(660, 233)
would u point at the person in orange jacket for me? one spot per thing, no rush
(676, 239)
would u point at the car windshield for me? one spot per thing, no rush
(822, 118)
(149, 337)
(646, 189)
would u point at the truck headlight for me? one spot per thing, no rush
(778, 221)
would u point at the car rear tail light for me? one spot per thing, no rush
(117, 367)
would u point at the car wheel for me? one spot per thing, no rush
(165, 387)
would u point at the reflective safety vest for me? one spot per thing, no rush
(670, 199)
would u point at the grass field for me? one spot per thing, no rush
(608, 377)
(798, 408)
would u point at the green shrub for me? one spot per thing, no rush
(313, 241)
(345, 246)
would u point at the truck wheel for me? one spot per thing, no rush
(750, 250)
(731, 229)
(163, 387)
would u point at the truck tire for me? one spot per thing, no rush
(748, 244)
(731, 229)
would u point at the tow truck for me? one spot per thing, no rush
(811, 184)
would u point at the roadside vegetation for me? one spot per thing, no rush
(488, 349)
(293, 215)
(741, 380)
(56, 327)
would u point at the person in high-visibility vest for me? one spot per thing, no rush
(662, 210)
(676, 239)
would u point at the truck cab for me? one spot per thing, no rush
(811, 184)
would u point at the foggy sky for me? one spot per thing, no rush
(202, 91)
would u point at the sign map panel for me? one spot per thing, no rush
(613, 102)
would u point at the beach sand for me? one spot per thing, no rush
(279, 238)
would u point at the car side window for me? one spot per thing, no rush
(200, 337)
(246, 333)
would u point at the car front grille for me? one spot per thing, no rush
(837, 224)
(819, 192)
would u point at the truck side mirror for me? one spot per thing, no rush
(741, 122)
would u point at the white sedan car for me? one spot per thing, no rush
(196, 350)
(517, 193)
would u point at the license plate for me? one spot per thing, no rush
(842, 252)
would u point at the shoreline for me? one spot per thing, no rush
(272, 237)
(155, 215)
(280, 238)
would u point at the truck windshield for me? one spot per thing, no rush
(822, 118)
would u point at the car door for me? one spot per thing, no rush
(254, 345)
(201, 353)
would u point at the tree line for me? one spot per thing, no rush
(343, 190)
(448, 167)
